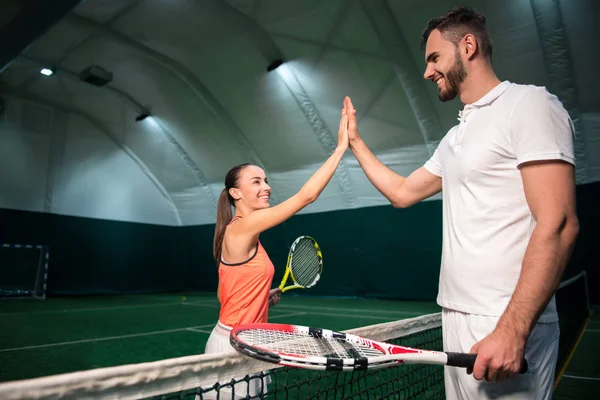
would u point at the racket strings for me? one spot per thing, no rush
(304, 344)
(306, 264)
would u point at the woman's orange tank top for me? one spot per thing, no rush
(244, 289)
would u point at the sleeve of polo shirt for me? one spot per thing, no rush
(541, 129)
(433, 165)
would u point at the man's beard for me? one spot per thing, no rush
(453, 78)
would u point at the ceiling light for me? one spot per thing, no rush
(142, 116)
(274, 65)
(46, 71)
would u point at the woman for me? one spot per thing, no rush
(245, 270)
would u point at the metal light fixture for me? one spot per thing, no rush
(144, 113)
(275, 64)
(142, 116)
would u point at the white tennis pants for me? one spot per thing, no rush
(218, 342)
(461, 331)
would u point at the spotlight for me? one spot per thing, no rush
(142, 116)
(46, 71)
(276, 63)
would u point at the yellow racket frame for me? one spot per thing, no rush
(288, 271)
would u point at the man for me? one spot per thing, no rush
(506, 173)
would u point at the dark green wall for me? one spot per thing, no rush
(375, 251)
(90, 256)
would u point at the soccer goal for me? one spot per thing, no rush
(23, 270)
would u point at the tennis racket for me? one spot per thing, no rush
(304, 264)
(322, 349)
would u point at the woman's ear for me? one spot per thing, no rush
(233, 192)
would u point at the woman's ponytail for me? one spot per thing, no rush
(223, 218)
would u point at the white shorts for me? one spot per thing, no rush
(218, 342)
(461, 331)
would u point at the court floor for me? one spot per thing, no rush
(67, 334)
(59, 335)
(581, 378)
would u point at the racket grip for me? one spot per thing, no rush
(524, 367)
(464, 360)
(467, 360)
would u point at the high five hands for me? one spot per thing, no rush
(343, 132)
(352, 126)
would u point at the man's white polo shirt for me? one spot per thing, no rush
(486, 220)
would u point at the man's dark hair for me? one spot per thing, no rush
(458, 22)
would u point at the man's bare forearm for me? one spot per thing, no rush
(383, 178)
(545, 260)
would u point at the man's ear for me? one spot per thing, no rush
(469, 46)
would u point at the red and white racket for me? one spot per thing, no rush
(323, 349)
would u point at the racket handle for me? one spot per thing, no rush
(467, 360)
(464, 360)
(524, 367)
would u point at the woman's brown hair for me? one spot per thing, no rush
(224, 205)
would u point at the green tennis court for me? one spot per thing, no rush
(61, 335)
(580, 378)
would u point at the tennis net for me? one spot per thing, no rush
(226, 375)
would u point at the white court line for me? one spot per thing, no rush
(198, 330)
(287, 315)
(134, 335)
(270, 317)
(341, 309)
(592, 330)
(367, 312)
(340, 315)
(587, 378)
(208, 300)
(105, 338)
(366, 315)
(92, 309)
(200, 305)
